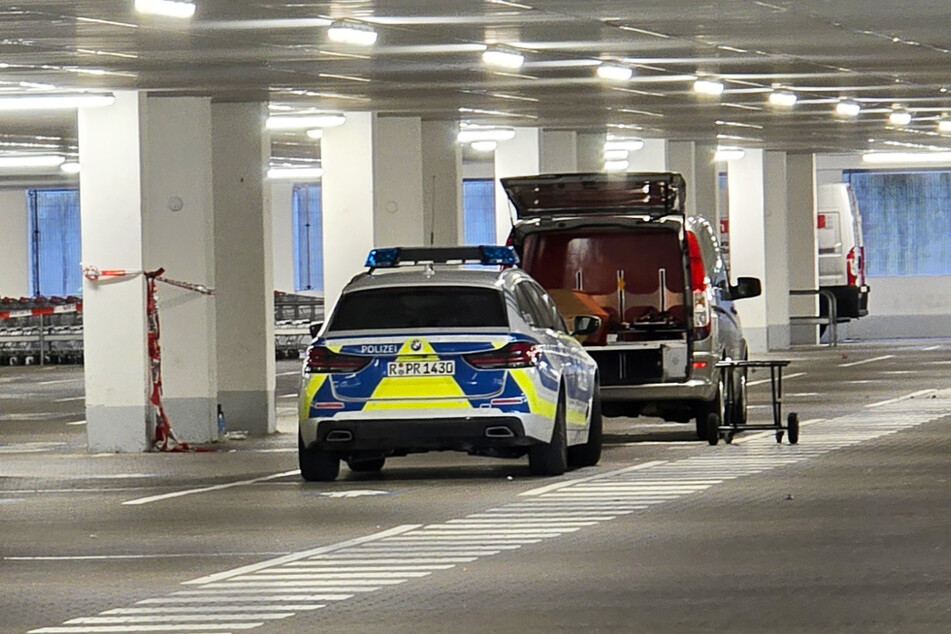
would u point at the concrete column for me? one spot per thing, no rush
(695, 163)
(516, 157)
(802, 260)
(558, 152)
(398, 218)
(114, 333)
(442, 183)
(14, 241)
(178, 235)
(372, 192)
(282, 235)
(243, 267)
(747, 241)
(776, 284)
(590, 151)
(651, 158)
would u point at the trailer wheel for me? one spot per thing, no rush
(792, 428)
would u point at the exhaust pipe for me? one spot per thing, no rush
(339, 435)
(500, 431)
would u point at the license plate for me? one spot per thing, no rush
(420, 368)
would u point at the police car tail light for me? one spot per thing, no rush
(698, 283)
(324, 360)
(519, 354)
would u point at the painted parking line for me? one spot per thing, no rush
(61, 381)
(71, 399)
(930, 348)
(864, 361)
(902, 398)
(786, 377)
(347, 571)
(217, 487)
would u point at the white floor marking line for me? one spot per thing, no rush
(217, 487)
(249, 596)
(243, 570)
(901, 398)
(78, 379)
(77, 422)
(288, 373)
(786, 377)
(70, 399)
(739, 440)
(864, 361)
(930, 348)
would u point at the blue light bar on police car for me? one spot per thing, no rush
(407, 256)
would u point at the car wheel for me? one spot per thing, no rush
(738, 415)
(368, 465)
(708, 408)
(551, 458)
(316, 465)
(588, 454)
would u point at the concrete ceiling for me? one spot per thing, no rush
(427, 63)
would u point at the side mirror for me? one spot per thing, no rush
(746, 287)
(315, 329)
(585, 325)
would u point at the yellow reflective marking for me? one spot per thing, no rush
(335, 349)
(307, 394)
(433, 404)
(536, 404)
(417, 387)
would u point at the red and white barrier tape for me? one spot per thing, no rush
(164, 438)
(42, 310)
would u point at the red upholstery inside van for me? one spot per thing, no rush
(556, 258)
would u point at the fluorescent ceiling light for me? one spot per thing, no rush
(631, 145)
(166, 8)
(350, 32)
(616, 155)
(907, 157)
(944, 125)
(708, 87)
(315, 133)
(71, 167)
(783, 98)
(728, 154)
(848, 109)
(503, 58)
(35, 160)
(899, 117)
(56, 101)
(305, 122)
(468, 135)
(615, 72)
(484, 146)
(295, 173)
(615, 166)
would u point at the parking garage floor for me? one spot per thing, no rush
(848, 531)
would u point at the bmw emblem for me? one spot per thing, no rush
(416, 345)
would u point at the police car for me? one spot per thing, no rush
(427, 352)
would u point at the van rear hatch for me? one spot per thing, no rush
(602, 244)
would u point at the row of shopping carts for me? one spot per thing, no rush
(42, 330)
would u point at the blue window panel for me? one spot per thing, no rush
(55, 242)
(478, 211)
(308, 238)
(905, 220)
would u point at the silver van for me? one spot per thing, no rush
(620, 246)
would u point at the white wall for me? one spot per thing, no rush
(14, 237)
(899, 307)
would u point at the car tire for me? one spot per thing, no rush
(369, 465)
(715, 407)
(317, 465)
(551, 458)
(738, 416)
(588, 454)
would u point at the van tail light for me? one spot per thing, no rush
(326, 361)
(699, 285)
(853, 263)
(519, 354)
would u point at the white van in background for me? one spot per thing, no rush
(841, 251)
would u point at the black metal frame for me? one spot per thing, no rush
(729, 427)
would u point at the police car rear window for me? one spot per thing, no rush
(422, 307)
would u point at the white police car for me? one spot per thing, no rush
(442, 357)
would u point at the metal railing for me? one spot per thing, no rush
(831, 319)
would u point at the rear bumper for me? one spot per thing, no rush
(851, 302)
(458, 433)
(701, 385)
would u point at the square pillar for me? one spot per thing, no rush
(695, 163)
(243, 267)
(589, 152)
(282, 235)
(14, 244)
(747, 220)
(803, 255)
(442, 183)
(776, 282)
(518, 156)
(558, 151)
(651, 158)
